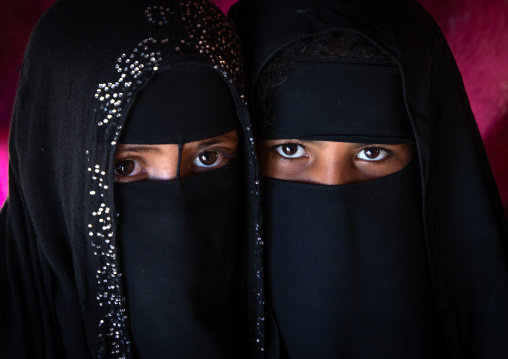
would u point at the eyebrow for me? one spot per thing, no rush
(140, 148)
(155, 148)
(219, 139)
(353, 144)
(373, 144)
(319, 144)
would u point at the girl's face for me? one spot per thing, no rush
(160, 162)
(330, 163)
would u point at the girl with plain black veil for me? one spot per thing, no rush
(383, 228)
(131, 163)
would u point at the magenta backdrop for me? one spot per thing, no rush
(477, 31)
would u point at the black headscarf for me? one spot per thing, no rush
(458, 249)
(179, 241)
(61, 268)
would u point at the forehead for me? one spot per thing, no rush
(230, 138)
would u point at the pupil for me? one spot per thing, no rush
(208, 158)
(372, 152)
(124, 168)
(290, 150)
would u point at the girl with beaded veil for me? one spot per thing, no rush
(124, 233)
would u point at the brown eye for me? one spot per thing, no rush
(372, 154)
(207, 159)
(291, 150)
(124, 167)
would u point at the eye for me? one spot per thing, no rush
(126, 167)
(207, 159)
(372, 154)
(291, 150)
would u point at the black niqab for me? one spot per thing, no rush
(460, 255)
(341, 256)
(182, 104)
(179, 243)
(337, 99)
(179, 240)
(346, 269)
(63, 293)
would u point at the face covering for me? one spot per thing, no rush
(349, 100)
(346, 264)
(180, 239)
(463, 218)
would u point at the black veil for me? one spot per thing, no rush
(61, 284)
(464, 225)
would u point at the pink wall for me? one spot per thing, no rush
(478, 35)
(477, 31)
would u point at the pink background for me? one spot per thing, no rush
(477, 31)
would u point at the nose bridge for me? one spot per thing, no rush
(332, 168)
(168, 171)
(332, 174)
(167, 165)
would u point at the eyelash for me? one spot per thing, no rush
(287, 159)
(220, 151)
(129, 157)
(389, 152)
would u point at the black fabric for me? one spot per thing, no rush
(183, 104)
(179, 243)
(464, 229)
(340, 101)
(61, 278)
(347, 269)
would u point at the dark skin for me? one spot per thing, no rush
(330, 163)
(160, 162)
